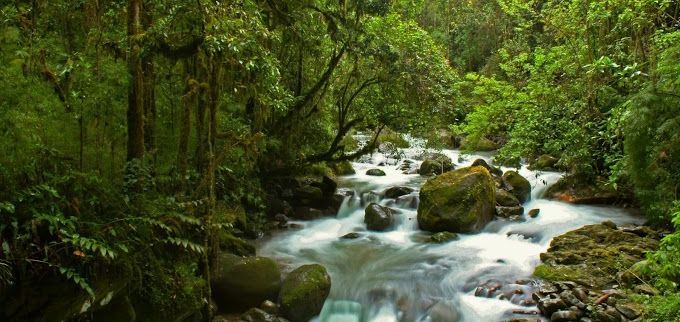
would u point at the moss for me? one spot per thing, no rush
(240, 283)
(458, 201)
(518, 185)
(303, 292)
(557, 273)
(593, 255)
(342, 168)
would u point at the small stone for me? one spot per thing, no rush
(646, 289)
(609, 224)
(533, 213)
(353, 235)
(396, 192)
(548, 288)
(375, 173)
(580, 294)
(443, 237)
(269, 307)
(629, 311)
(508, 212)
(563, 316)
(571, 299)
(550, 306)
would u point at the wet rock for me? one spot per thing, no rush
(517, 185)
(396, 192)
(443, 311)
(375, 173)
(354, 235)
(548, 306)
(630, 311)
(258, 315)
(506, 199)
(509, 212)
(569, 298)
(580, 294)
(435, 164)
(458, 201)
(533, 213)
(239, 283)
(443, 237)
(378, 218)
(303, 292)
(564, 316)
(408, 201)
(642, 231)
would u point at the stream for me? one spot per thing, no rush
(395, 276)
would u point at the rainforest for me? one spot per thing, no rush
(339, 160)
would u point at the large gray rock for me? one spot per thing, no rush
(458, 201)
(239, 283)
(303, 292)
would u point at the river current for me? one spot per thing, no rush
(396, 276)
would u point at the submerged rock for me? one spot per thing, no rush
(304, 292)
(458, 201)
(443, 237)
(509, 212)
(239, 283)
(533, 213)
(378, 218)
(375, 173)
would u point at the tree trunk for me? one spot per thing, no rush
(135, 112)
(149, 80)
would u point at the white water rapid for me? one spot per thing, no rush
(392, 276)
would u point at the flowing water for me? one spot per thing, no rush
(394, 276)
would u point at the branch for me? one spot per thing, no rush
(184, 51)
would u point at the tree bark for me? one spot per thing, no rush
(135, 112)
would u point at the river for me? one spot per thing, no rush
(395, 276)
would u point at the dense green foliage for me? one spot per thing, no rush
(137, 136)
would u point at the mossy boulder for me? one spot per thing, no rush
(458, 201)
(517, 185)
(378, 218)
(303, 292)
(544, 162)
(506, 199)
(239, 283)
(573, 189)
(593, 255)
(375, 173)
(482, 144)
(435, 164)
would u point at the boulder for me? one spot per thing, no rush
(458, 201)
(517, 185)
(378, 218)
(396, 192)
(548, 306)
(435, 164)
(544, 162)
(508, 212)
(303, 292)
(493, 170)
(239, 283)
(375, 173)
(506, 199)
